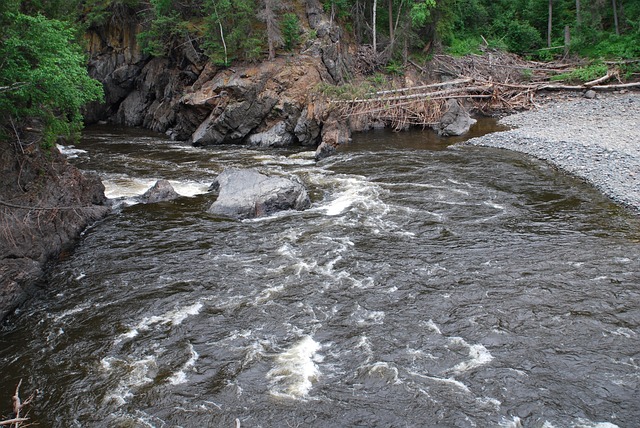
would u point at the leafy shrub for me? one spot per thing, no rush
(584, 74)
(465, 46)
(521, 37)
(43, 75)
(290, 30)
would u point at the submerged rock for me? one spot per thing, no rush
(161, 191)
(246, 193)
(456, 121)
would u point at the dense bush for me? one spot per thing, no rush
(43, 74)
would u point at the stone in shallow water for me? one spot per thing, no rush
(161, 191)
(456, 121)
(246, 193)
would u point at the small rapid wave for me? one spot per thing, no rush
(295, 370)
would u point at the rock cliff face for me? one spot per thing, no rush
(45, 203)
(264, 104)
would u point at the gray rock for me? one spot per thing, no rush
(161, 191)
(235, 123)
(246, 193)
(307, 129)
(590, 94)
(277, 136)
(335, 133)
(456, 121)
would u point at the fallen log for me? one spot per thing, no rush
(583, 87)
(427, 95)
(599, 80)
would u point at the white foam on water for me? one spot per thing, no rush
(70, 151)
(304, 158)
(514, 422)
(180, 376)
(489, 402)
(447, 381)
(625, 332)
(267, 294)
(173, 317)
(364, 316)
(311, 155)
(73, 311)
(386, 371)
(124, 186)
(190, 188)
(478, 354)
(585, 423)
(295, 370)
(137, 375)
(350, 191)
(495, 205)
(365, 345)
(432, 326)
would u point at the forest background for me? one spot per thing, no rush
(43, 65)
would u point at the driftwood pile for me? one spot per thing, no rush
(492, 83)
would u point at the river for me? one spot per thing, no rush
(429, 285)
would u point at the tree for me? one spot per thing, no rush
(269, 16)
(615, 17)
(373, 26)
(43, 75)
(549, 22)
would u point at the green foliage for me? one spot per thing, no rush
(612, 46)
(521, 37)
(584, 74)
(233, 24)
(346, 92)
(466, 46)
(339, 8)
(290, 30)
(420, 12)
(43, 74)
(394, 67)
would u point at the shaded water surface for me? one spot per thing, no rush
(428, 285)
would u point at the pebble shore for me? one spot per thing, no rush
(597, 140)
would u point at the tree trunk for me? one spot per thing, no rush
(549, 23)
(615, 17)
(273, 32)
(373, 26)
(391, 21)
(578, 17)
(224, 43)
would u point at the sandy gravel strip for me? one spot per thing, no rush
(597, 140)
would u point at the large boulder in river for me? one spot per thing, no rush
(246, 193)
(456, 121)
(161, 191)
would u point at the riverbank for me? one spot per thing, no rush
(597, 140)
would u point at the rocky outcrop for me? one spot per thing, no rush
(268, 104)
(45, 203)
(335, 133)
(456, 121)
(245, 193)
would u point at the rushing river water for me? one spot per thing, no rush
(427, 286)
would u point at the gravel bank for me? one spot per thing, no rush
(597, 140)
